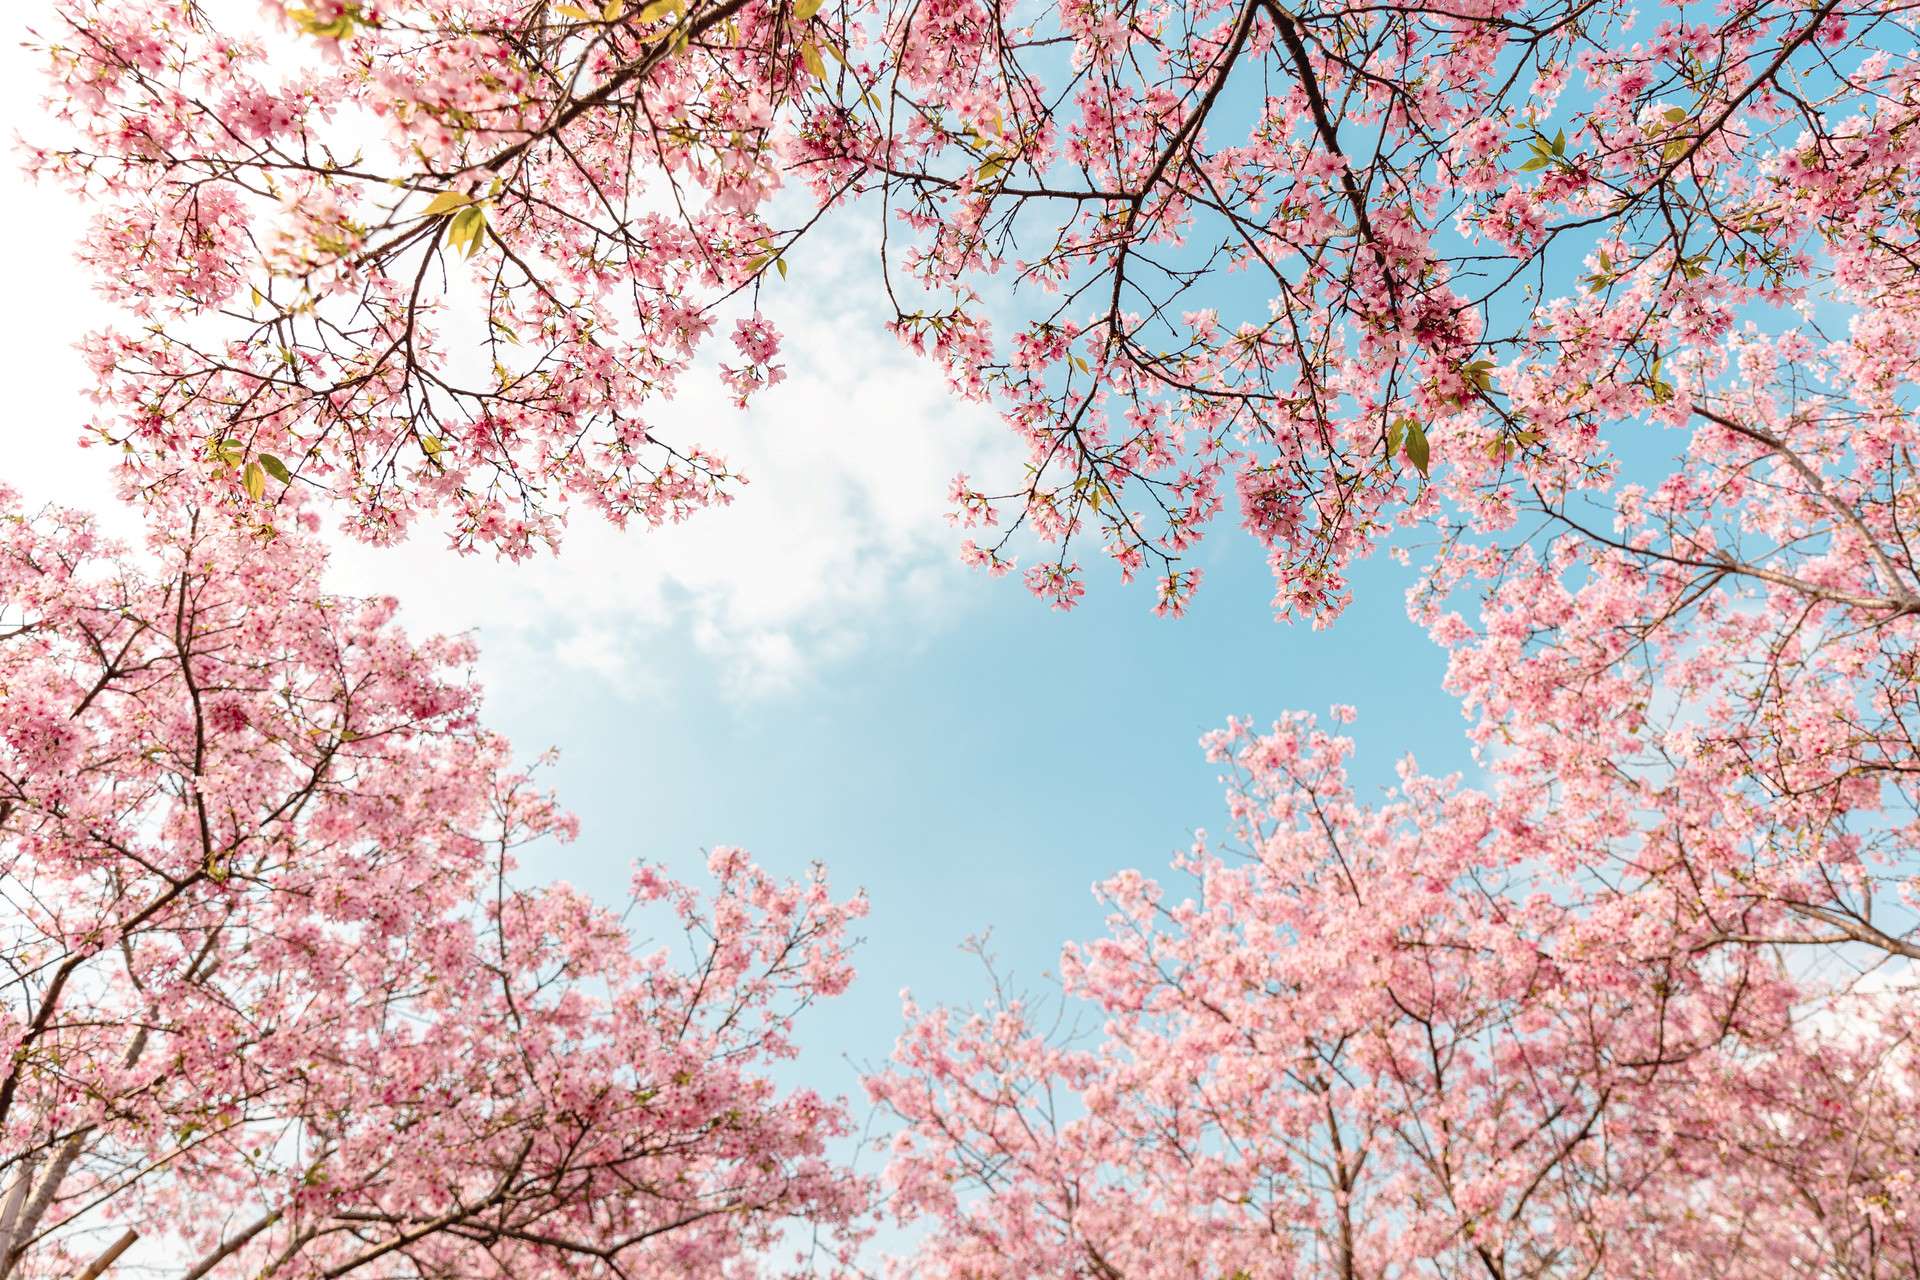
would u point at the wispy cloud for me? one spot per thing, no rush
(838, 541)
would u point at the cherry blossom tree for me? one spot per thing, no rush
(443, 255)
(277, 1002)
(1434, 1037)
(1479, 245)
(422, 256)
(1732, 648)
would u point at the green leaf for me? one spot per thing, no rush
(276, 468)
(1560, 143)
(1417, 445)
(446, 202)
(573, 11)
(467, 228)
(659, 9)
(781, 265)
(1662, 389)
(254, 477)
(810, 57)
(804, 9)
(1538, 162)
(431, 446)
(612, 10)
(330, 29)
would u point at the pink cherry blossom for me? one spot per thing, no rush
(449, 255)
(278, 1001)
(1397, 1040)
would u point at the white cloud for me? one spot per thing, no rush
(838, 539)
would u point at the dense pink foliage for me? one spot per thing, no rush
(1306, 258)
(1448, 1035)
(277, 1000)
(446, 254)
(432, 256)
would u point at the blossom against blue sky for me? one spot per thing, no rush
(811, 673)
